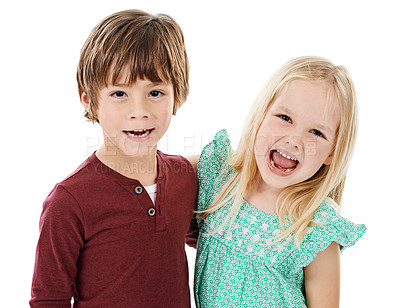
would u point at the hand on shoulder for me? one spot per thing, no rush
(194, 160)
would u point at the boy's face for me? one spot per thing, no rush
(134, 117)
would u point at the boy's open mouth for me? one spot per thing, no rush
(139, 132)
(282, 161)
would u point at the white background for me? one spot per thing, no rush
(233, 48)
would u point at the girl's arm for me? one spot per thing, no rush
(322, 279)
(194, 159)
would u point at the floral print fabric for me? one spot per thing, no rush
(234, 265)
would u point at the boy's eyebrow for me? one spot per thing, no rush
(148, 83)
(157, 83)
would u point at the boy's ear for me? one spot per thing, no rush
(85, 100)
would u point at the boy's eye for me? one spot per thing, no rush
(317, 133)
(118, 94)
(155, 93)
(285, 118)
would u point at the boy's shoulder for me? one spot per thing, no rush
(88, 179)
(85, 172)
(66, 196)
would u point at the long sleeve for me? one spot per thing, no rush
(193, 233)
(60, 241)
(100, 244)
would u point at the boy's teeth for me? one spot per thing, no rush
(139, 132)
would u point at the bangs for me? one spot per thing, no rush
(129, 45)
(144, 55)
(138, 64)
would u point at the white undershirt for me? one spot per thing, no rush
(152, 192)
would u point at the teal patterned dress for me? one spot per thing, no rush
(235, 268)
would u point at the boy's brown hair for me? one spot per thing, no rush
(150, 46)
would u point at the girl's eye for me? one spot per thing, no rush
(155, 93)
(118, 94)
(285, 118)
(317, 133)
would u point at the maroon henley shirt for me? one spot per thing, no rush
(104, 243)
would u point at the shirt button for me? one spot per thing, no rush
(151, 211)
(138, 189)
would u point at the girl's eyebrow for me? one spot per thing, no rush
(319, 126)
(283, 109)
(324, 128)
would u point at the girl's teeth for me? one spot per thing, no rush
(286, 170)
(286, 156)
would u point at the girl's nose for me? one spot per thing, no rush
(295, 141)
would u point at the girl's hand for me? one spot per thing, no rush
(322, 279)
(194, 159)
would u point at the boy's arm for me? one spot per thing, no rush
(322, 279)
(59, 245)
(193, 233)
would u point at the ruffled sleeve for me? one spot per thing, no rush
(212, 163)
(332, 227)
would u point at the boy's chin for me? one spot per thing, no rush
(143, 152)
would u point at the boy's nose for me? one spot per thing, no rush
(138, 109)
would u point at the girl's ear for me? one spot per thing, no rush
(85, 100)
(328, 160)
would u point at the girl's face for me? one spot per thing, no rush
(298, 133)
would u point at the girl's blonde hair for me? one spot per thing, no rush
(300, 201)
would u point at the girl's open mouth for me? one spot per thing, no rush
(283, 162)
(140, 133)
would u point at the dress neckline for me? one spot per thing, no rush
(258, 211)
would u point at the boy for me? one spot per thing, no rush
(112, 234)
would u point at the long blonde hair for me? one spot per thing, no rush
(298, 202)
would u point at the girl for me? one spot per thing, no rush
(270, 228)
